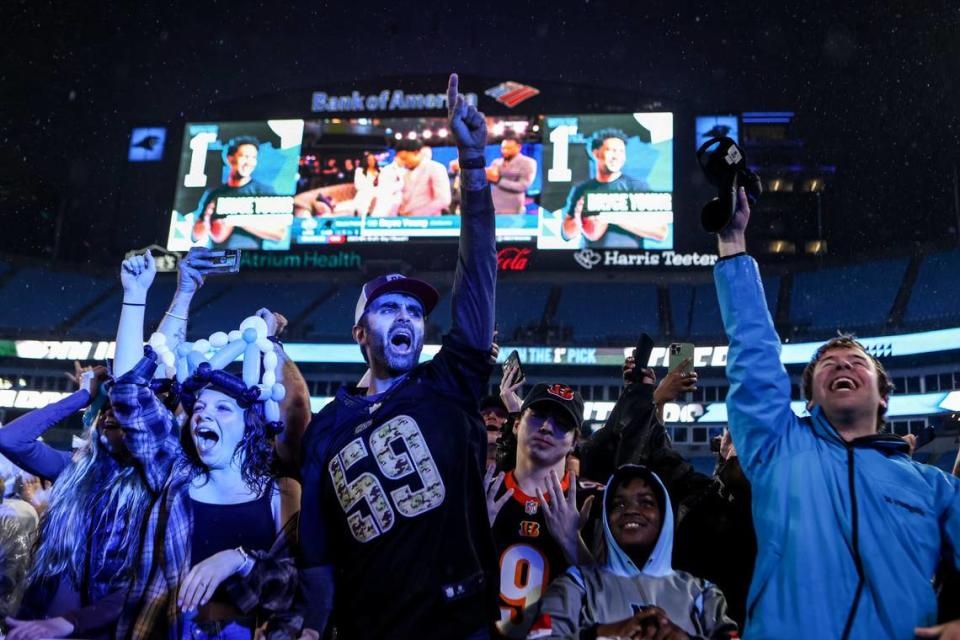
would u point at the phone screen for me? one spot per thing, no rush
(513, 361)
(678, 352)
(226, 261)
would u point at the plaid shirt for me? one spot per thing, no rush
(151, 609)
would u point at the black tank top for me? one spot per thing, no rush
(217, 527)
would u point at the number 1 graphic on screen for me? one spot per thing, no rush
(199, 143)
(560, 138)
(366, 487)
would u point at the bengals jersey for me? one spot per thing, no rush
(529, 557)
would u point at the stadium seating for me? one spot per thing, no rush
(609, 312)
(520, 304)
(934, 298)
(38, 300)
(695, 312)
(845, 298)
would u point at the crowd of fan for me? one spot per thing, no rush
(203, 503)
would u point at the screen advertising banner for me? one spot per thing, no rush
(563, 182)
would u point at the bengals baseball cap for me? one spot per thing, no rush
(396, 283)
(559, 395)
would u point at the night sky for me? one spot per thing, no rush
(876, 87)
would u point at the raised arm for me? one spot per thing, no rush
(295, 406)
(18, 439)
(150, 430)
(758, 403)
(475, 280)
(190, 277)
(136, 276)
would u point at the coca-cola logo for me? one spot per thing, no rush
(513, 258)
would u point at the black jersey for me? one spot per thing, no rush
(393, 499)
(529, 557)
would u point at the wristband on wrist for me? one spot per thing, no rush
(134, 304)
(173, 315)
(275, 340)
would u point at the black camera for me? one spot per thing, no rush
(725, 165)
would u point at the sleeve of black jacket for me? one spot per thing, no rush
(631, 435)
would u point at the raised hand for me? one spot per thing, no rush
(88, 378)
(564, 520)
(468, 125)
(510, 384)
(732, 239)
(136, 276)
(491, 485)
(276, 322)
(676, 383)
(190, 272)
(647, 375)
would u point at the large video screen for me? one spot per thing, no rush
(566, 182)
(609, 182)
(236, 185)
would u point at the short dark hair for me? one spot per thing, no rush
(510, 134)
(847, 341)
(239, 141)
(596, 140)
(408, 145)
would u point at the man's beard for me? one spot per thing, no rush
(395, 364)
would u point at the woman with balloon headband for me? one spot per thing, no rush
(89, 536)
(216, 559)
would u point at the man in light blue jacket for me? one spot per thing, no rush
(850, 529)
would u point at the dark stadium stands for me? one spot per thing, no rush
(936, 294)
(608, 312)
(845, 298)
(871, 297)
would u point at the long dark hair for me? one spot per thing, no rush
(96, 489)
(255, 451)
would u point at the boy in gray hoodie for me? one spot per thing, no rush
(634, 592)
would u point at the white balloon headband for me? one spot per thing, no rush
(196, 365)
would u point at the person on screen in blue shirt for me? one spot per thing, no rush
(242, 153)
(511, 175)
(609, 150)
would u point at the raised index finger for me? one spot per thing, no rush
(453, 89)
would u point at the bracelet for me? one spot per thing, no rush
(135, 304)
(246, 559)
(173, 315)
(275, 340)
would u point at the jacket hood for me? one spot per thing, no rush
(659, 562)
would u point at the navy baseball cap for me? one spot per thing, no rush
(396, 283)
(559, 395)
